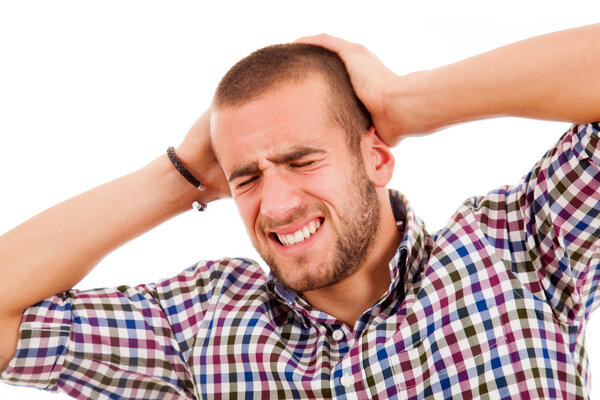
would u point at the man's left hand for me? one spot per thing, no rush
(373, 83)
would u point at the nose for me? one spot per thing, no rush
(280, 196)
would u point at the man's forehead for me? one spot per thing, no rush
(271, 120)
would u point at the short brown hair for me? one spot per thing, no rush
(268, 67)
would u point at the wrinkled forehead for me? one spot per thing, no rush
(294, 112)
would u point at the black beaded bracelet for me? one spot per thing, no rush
(187, 175)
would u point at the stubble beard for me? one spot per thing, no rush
(354, 241)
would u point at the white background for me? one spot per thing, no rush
(92, 90)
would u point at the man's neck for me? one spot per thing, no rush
(349, 299)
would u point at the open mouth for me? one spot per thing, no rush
(299, 236)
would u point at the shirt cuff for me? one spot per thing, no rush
(43, 336)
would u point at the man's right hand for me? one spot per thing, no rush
(197, 155)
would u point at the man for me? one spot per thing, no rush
(363, 302)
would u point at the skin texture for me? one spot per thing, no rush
(359, 209)
(287, 166)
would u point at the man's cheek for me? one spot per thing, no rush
(249, 213)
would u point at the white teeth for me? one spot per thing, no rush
(300, 235)
(305, 232)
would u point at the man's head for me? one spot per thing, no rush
(305, 167)
(268, 68)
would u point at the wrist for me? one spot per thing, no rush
(171, 188)
(205, 169)
(418, 103)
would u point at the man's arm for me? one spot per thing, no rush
(554, 209)
(54, 250)
(554, 76)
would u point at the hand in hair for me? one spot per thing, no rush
(374, 84)
(493, 84)
(197, 155)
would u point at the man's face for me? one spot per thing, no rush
(304, 197)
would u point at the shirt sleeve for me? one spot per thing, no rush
(547, 228)
(128, 342)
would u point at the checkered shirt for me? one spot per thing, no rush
(493, 306)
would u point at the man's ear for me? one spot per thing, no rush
(379, 160)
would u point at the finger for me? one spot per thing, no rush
(314, 39)
(336, 44)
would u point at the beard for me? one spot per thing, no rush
(361, 215)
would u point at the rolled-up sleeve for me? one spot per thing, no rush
(44, 333)
(547, 228)
(128, 342)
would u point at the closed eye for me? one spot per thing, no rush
(247, 181)
(303, 164)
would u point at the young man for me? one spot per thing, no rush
(362, 301)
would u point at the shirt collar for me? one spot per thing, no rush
(416, 243)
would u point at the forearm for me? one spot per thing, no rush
(554, 76)
(54, 250)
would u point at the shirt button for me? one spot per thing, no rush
(347, 380)
(338, 334)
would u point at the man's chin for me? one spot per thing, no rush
(304, 284)
(301, 279)
(298, 276)
(301, 273)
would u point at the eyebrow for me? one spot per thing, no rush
(244, 170)
(293, 154)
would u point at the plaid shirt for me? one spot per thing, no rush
(493, 306)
